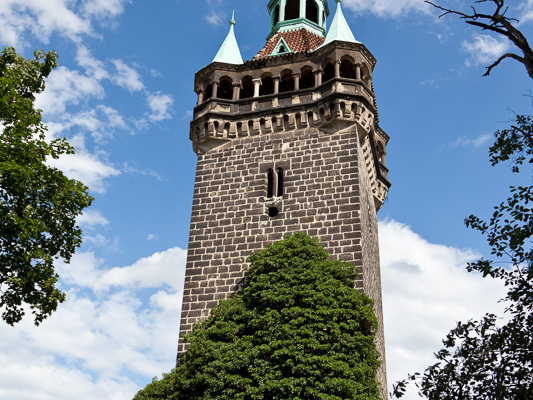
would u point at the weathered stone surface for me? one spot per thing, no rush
(323, 143)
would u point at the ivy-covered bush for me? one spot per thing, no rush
(297, 330)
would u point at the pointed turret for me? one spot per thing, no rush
(229, 52)
(339, 29)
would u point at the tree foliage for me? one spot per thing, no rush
(297, 330)
(497, 22)
(38, 203)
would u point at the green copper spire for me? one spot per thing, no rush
(229, 52)
(339, 29)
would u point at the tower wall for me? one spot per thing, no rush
(325, 138)
(327, 194)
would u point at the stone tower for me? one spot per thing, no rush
(288, 141)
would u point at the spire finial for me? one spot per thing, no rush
(229, 52)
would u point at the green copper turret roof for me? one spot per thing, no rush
(339, 29)
(229, 52)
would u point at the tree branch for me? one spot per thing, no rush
(499, 60)
(499, 23)
(523, 132)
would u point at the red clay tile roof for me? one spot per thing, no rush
(299, 41)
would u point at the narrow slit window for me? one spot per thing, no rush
(279, 173)
(270, 183)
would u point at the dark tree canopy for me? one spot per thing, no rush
(498, 22)
(38, 203)
(297, 330)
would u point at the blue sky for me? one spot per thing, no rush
(123, 96)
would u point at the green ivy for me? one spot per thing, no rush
(296, 330)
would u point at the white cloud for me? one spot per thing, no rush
(476, 143)
(154, 271)
(526, 11)
(42, 378)
(386, 8)
(484, 49)
(98, 345)
(187, 115)
(100, 240)
(151, 237)
(160, 106)
(91, 219)
(214, 18)
(127, 77)
(87, 168)
(66, 87)
(92, 66)
(426, 290)
(90, 168)
(22, 19)
(158, 270)
(101, 122)
(104, 8)
(136, 170)
(155, 73)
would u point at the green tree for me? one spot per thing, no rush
(488, 359)
(38, 203)
(297, 330)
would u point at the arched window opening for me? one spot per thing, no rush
(267, 87)
(292, 9)
(270, 183)
(208, 91)
(225, 90)
(286, 125)
(307, 79)
(276, 15)
(287, 83)
(310, 117)
(329, 72)
(347, 69)
(279, 174)
(365, 75)
(226, 129)
(354, 110)
(311, 11)
(247, 89)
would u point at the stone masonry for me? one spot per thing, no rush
(325, 140)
